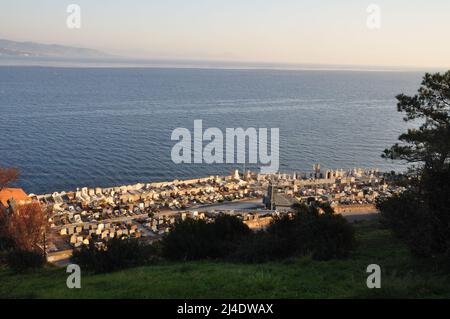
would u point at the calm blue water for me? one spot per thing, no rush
(74, 127)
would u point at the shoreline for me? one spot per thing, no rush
(200, 179)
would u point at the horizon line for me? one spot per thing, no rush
(171, 63)
(136, 61)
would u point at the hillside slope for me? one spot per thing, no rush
(32, 49)
(402, 276)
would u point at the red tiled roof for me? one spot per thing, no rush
(17, 194)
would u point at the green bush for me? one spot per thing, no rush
(228, 232)
(6, 243)
(189, 240)
(196, 239)
(420, 216)
(323, 236)
(21, 260)
(116, 254)
(333, 237)
(260, 247)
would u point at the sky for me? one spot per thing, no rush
(414, 33)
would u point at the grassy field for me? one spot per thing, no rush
(402, 276)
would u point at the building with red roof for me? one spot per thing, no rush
(13, 195)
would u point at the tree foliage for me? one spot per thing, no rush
(24, 226)
(421, 214)
(196, 239)
(7, 176)
(323, 236)
(429, 144)
(21, 260)
(116, 254)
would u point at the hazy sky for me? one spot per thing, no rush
(412, 32)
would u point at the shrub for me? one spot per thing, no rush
(196, 239)
(420, 216)
(21, 260)
(260, 247)
(323, 236)
(6, 243)
(333, 238)
(228, 232)
(116, 254)
(189, 240)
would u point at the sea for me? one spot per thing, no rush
(73, 127)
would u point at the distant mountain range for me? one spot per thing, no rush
(32, 49)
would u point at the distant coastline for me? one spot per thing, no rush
(125, 62)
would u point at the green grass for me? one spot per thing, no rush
(402, 276)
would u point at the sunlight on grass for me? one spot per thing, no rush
(402, 277)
